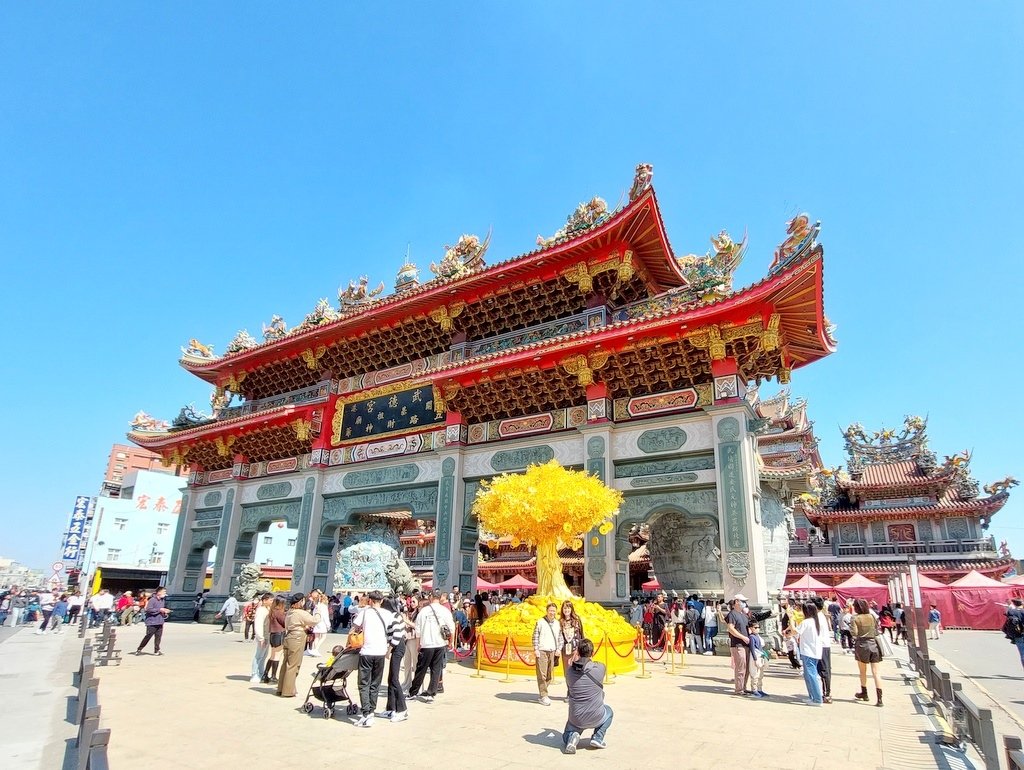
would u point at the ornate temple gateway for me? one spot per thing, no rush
(600, 349)
(896, 499)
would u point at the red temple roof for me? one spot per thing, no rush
(900, 474)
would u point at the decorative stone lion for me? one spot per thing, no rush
(400, 577)
(197, 349)
(250, 583)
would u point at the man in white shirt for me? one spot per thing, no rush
(545, 647)
(261, 630)
(434, 627)
(101, 604)
(376, 625)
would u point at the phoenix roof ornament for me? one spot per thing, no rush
(358, 294)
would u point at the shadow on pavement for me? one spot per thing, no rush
(521, 697)
(548, 737)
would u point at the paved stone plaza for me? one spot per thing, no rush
(194, 708)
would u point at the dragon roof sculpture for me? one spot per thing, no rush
(467, 254)
(356, 294)
(587, 215)
(710, 276)
(802, 238)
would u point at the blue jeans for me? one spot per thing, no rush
(811, 678)
(1019, 644)
(599, 731)
(709, 635)
(259, 660)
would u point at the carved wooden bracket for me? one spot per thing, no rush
(583, 367)
(444, 316)
(312, 357)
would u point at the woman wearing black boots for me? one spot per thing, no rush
(866, 649)
(277, 611)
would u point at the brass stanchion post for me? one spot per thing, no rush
(643, 667)
(672, 650)
(607, 676)
(508, 659)
(479, 652)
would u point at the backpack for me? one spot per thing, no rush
(1012, 628)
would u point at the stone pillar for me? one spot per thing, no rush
(230, 518)
(310, 518)
(739, 504)
(449, 559)
(182, 539)
(605, 579)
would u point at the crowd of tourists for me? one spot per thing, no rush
(410, 636)
(694, 622)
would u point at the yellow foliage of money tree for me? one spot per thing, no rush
(547, 506)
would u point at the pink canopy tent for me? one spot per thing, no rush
(929, 583)
(485, 585)
(978, 602)
(859, 587)
(518, 581)
(807, 583)
(1016, 580)
(427, 585)
(651, 585)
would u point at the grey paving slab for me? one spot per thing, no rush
(198, 695)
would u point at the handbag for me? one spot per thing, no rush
(355, 640)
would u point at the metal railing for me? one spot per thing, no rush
(821, 549)
(91, 742)
(901, 548)
(969, 721)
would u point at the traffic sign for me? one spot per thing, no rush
(58, 566)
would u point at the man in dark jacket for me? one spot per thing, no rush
(586, 700)
(155, 613)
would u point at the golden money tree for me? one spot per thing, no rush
(547, 506)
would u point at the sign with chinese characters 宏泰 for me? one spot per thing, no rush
(73, 544)
(390, 413)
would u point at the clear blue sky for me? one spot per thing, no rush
(167, 174)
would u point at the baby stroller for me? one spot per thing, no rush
(329, 684)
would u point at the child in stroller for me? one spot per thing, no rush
(329, 682)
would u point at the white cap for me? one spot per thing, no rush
(741, 597)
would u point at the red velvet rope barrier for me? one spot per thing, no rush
(516, 651)
(629, 652)
(663, 651)
(501, 655)
(466, 654)
(598, 646)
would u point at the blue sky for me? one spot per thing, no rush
(170, 174)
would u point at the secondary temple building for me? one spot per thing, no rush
(895, 499)
(600, 348)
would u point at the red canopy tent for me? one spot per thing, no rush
(518, 581)
(978, 602)
(859, 587)
(807, 583)
(426, 585)
(651, 585)
(485, 585)
(1016, 585)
